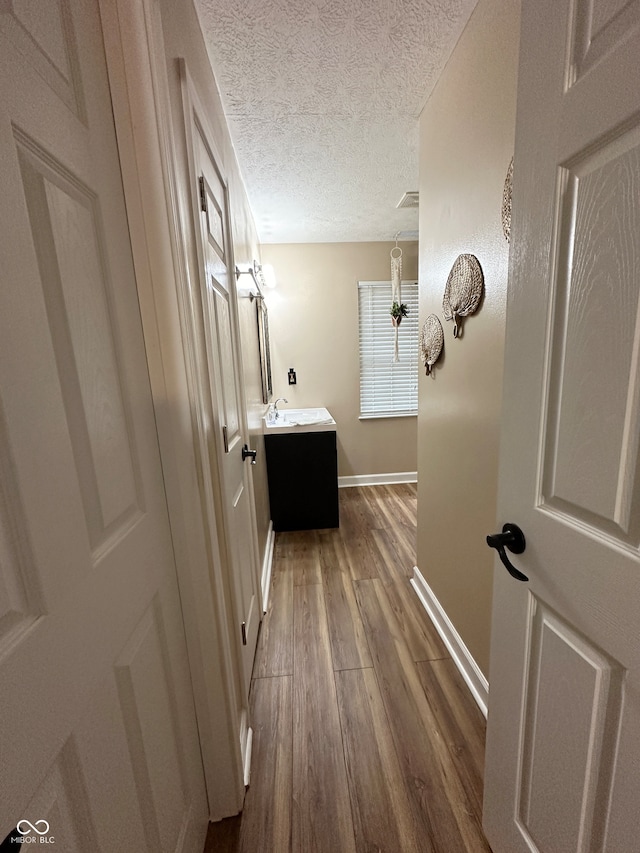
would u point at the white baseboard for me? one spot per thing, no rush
(462, 657)
(267, 565)
(377, 479)
(246, 745)
(247, 758)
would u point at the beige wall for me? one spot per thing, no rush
(183, 39)
(313, 323)
(467, 132)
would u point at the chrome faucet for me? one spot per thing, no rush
(275, 406)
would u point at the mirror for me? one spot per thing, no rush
(265, 352)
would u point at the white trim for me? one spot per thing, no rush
(246, 745)
(386, 283)
(377, 479)
(462, 657)
(267, 565)
(380, 415)
(247, 757)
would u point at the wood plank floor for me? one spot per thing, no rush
(365, 736)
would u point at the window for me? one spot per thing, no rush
(387, 388)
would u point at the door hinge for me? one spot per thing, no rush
(203, 195)
(225, 438)
(244, 633)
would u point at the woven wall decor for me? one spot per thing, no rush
(506, 203)
(431, 341)
(463, 292)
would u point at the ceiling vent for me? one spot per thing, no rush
(408, 200)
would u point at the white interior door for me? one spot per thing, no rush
(223, 356)
(98, 735)
(563, 740)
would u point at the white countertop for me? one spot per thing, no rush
(300, 420)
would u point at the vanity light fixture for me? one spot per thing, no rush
(269, 275)
(263, 275)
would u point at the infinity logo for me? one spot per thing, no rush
(32, 827)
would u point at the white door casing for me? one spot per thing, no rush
(98, 734)
(228, 430)
(563, 738)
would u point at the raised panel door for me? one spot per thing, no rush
(95, 697)
(563, 738)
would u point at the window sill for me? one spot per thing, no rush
(377, 416)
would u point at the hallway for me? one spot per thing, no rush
(365, 736)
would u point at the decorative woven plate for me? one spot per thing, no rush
(506, 203)
(463, 292)
(431, 341)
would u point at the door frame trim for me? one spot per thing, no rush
(136, 64)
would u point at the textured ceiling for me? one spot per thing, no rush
(322, 99)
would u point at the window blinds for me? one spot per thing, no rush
(387, 388)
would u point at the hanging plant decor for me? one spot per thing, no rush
(398, 311)
(431, 342)
(398, 308)
(506, 203)
(463, 291)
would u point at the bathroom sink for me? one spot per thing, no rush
(300, 420)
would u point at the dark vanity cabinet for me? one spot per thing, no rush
(303, 480)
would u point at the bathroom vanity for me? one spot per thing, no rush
(302, 466)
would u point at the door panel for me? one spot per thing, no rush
(20, 594)
(564, 670)
(598, 29)
(228, 393)
(214, 217)
(62, 801)
(147, 703)
(89, 606)
(45, 35)
(111, 785)
(69, 241)
(592, 450)
(224, 369)
(563, 737)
